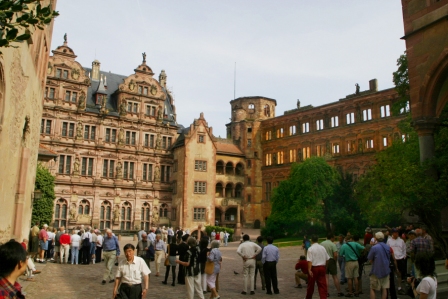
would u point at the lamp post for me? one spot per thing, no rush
(37, 194)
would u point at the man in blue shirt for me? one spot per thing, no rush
(379, 256)
(269, 259)
(111, 251)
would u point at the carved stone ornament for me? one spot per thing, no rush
(123, 108)
(79, 130)
(75, 74)
(132, 85)
(49, 69)
(116, 215)
(73, 213)
(153, 90)
(82, 101)
(76, 166)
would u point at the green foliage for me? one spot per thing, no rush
(210, 228)
(17, 16)
(298, 200)
(401, 81)
(43, 208)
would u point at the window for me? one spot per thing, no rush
(126, 213)
(280, 133)
(149, 140)
(58, 73)
(369, 143)
(249, 130)
(65, 74)
(385, 141)
(140, 89)
(60, 213)
(65, 163)
(199, 214)
(249, 163)
(71, 96)
(366, 114)
(406, 108)
(84, 207)
(292, 155)
(87, 166)
(255, 154)
(251, 106)
(128, 170)
(268, 135)
(51, 93)
(249, 197)
(350, 118)
(306, 152)
(320, 150)
(267, 110)
(45, 127)
(145, 217)
(201, 138)
(268, 189)
(319, 124)
(163, 210)
(305, 127)
(111, 135)
(292, 130)
(249, 142)
(351, 146)
(335, 148)
(166, 142)
(145, 91)
(147, 172)
(200, 187)
(68, 129)
(174, 187)
(280, 158)
(200, 165)
(108, 168)
(131, 137)
(89, 132)
(132, 107)
(105, 215)
(334, 121)
(385, 111)
(165, 173)
(150, 110)
(268, 161)
(67, 96)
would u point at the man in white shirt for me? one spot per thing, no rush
(170, 234)
(152, 236)
(86, 257)
(248, 252)
(129, 276)
(399, 247)
(317, 258)
(99, 246)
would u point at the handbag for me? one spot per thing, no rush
(167, 260)
(209, 267)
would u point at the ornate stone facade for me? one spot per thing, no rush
(112, 134)
(22, 78)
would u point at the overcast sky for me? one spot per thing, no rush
(314, 51)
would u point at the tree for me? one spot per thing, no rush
(43, 207)
(18, 16)
(401, 81)
(299, 200)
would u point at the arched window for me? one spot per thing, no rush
(146, 220)
(60, 213)
(251, 106)
(126, 211)
(239, 170)
(105, 215)
(267, 110)
(163, 211)
(84, 207)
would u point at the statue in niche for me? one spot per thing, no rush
(160, 113)
(119, 170)
(298, 104)
(72, 212)
(121, 136)
(122, 108)
(360, 145)
(76, 166)
(156, 216)
(157, 174)
(159, 141)
(132, 85)
(274, 159)
(357, 88)
(79, 130)
(116, 214)
(82, 101)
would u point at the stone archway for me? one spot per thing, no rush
(257, 224)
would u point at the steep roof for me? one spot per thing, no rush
(228, 149)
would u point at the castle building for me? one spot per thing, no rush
(22, 81)
(112, 135)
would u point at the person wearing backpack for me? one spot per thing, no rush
(351, 251)
(192, 269)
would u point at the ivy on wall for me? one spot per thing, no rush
(43, 207)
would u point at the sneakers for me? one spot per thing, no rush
(103, 282)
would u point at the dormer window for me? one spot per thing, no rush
(58, 73)
(145, 91)
(99, 98)
(132, 107)
(65, 74)
(140, 89)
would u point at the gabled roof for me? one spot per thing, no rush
(228, 149)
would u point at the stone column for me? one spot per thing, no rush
(237, 233)
(425, 130)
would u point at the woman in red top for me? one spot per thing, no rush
(217, 237)
(64, 240)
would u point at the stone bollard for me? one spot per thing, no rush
(135, 238)
(119, 237)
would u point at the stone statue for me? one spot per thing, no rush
(160, 113)
(119, 170)
(73, 212)
(65, 38)
(156, 216)
(123, 108)
(121, 136)
(76, 166)
(298, 104)
(144, 56)
(157, 173)
(103, 102)
(116, 214)
(357, 88)
(82, 101)
(79, 130)
(159, 141)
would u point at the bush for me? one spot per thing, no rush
(210, 228)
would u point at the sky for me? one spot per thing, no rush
(314, 51)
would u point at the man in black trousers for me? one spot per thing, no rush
(269, 259)
(182, 250)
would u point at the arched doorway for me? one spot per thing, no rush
(230, 215)
(257, 224)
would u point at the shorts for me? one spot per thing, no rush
(351, 269)
(379, 283)
(56, 248)
(211, 280)
(332, 267)
(34, 248)
(43, 245)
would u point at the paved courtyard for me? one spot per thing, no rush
(84, 281)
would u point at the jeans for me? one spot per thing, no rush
(341, 262)
(75, 253)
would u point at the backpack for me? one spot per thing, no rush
(86, 241)
(150, 253)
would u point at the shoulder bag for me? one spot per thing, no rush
(209, 267)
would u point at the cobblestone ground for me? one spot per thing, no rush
(84, 281)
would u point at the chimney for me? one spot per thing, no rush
(162, 79)
(373, 85)
(96, 70)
